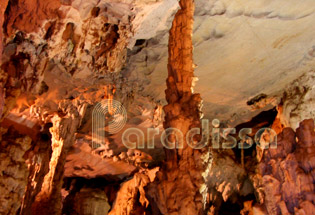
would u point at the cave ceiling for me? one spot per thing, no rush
(246, 53)
(253, 66)
(242, 50)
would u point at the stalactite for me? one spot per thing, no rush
(181, 178)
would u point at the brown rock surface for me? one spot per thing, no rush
(59, 58)
(2, 10)
(13, 168)
(28, 15)
(177, 191)
(48, 201)
(131, 198)
(287, 176)
(90, 201)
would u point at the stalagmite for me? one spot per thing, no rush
(48, 201)
(60, 59)
(131, 198)
(181, 179)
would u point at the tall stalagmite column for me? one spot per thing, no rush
(178, 189)
(65, 124)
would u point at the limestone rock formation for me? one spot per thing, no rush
(242, 64)
(297, 102)
(184, 165)
(14, 171)
(287, 172)
(90, 201)
(132, 193)
(48, 199)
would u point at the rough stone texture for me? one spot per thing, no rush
(38, 161)
(286, 173)
(178, 186)
(29, 15)
(298, 101)
(75, 50)
(90, 202)
(13, 168)
(49, 64)
(131, 198)
(81, 162)
(59, 58)
(226, 180)
(2, 10)
(48, 201)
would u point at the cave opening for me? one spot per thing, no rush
(230, 208)
(264, 119)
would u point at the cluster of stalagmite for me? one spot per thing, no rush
(60, 58)
(287, 172)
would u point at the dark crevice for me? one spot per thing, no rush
(95, 11)
(50, 31)
(256, 99)
(234, 207)
(263, 120)
(140, 42)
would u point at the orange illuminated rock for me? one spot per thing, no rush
(177, 189)
(23, 124)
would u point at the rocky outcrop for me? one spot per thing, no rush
(41, 77)
(48, 201)
(2, 15)
(297, 101)
(131, 198)
(83, 162)
(286, 173)
(226, 181)
(29, 15)
(38, 166)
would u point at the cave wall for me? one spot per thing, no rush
(14, 171)
(297, 101)
(59, 58)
